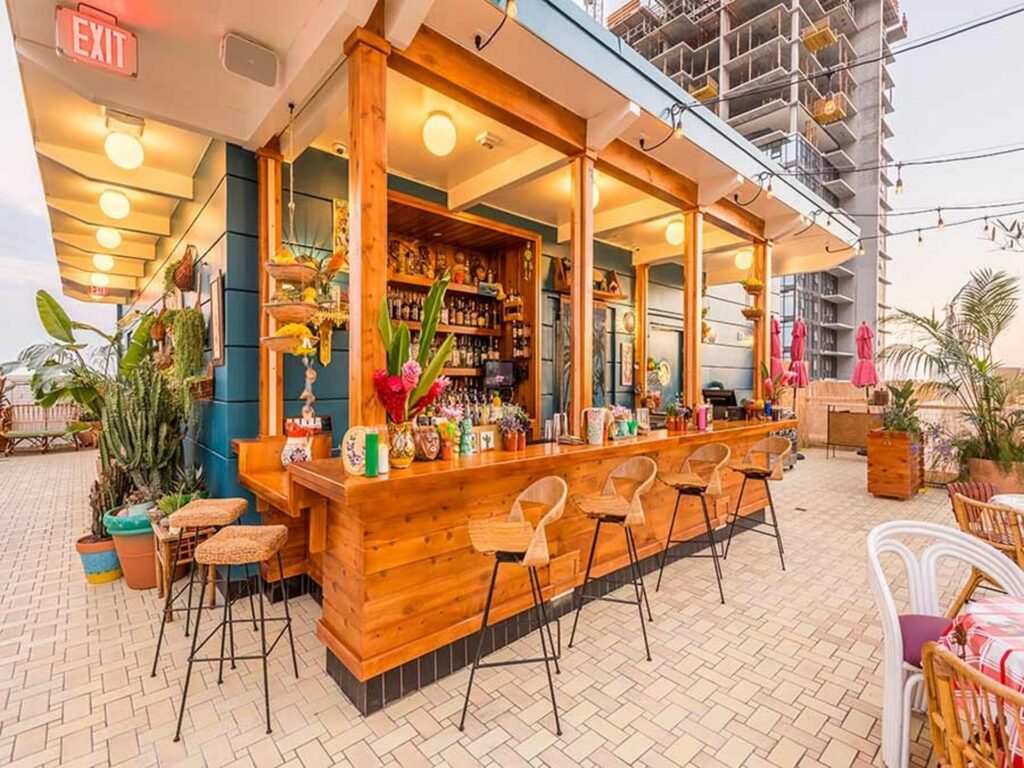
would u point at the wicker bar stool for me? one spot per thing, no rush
(619, 504)
(195, 518)
(699, 476)
(516, 542)
(763, 461)
(233, 546)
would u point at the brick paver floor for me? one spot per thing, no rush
(785, 674)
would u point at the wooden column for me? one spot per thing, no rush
(367, 55)
(762, 326)
(693, 279)
(581, 291)
(268, 180)
(642, 284)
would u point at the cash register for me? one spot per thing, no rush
(723, 404)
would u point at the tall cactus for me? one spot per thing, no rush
(142, 428)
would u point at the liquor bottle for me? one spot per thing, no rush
(459, 313)
(403, 308)
(444, 314)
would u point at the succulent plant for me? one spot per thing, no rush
(108, 491)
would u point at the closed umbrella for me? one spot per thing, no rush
(797, 350)
(865, 375)
(776, 361)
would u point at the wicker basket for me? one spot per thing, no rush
(291, 311)
(297, 273)
(753, 290)
(752, 313)
(185, 272)
(284, 343)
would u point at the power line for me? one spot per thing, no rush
(677, 109)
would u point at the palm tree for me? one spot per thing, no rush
(955, 351)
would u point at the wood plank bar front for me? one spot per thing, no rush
(693, 281)
(581, 291)
(368, 226)
(400, 578)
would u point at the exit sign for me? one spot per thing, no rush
(94, 38)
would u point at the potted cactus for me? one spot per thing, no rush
(96, 548)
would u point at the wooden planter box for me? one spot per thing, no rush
(895, 464)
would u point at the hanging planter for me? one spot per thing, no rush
(185, 271)
(753, 313)
(292, 311)
(295, 272)
(753, 286)
(201, 388)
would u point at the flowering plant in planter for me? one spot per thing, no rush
(774, 387)
(409, 385)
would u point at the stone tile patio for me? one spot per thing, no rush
(784, 674)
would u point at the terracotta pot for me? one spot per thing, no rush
(521, 441)
(99, 559)
(446, 450)
(986, 471)
(509, 441)
(401, 444)
(137, 553)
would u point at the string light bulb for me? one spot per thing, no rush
(512, 9)
(858, 248)
(940, 224)
(986, 225)
(899, 179)
(769, 192)
(677, 130)
(920, 239)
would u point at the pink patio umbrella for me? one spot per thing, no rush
(797, 365)
(865, 375)
(776, 361)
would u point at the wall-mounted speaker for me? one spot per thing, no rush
(248, 59)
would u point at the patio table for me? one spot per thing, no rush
(1011, 500)
(989, 636)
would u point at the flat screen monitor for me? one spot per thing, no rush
(498, 374)
(725, 397)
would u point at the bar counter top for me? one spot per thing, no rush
(328, 476)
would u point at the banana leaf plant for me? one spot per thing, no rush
(409, 385)
(60, 370)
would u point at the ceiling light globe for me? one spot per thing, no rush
(675, 232)
(124, 150)
(114, 204)
(744, 259)
(108, 237)
(99, 280)
(439, 134)
(103, 262)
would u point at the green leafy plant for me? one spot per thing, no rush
(955, 350)
(188, 332)
(109, 491)
(142, 429)
(901, 413)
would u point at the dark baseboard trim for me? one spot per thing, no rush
(373, 695)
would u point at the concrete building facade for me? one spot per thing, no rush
(781, 73)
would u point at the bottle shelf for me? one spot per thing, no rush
(458, 330)
(462, 371)
(419, 281)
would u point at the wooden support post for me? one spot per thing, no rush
(642, 291)
(368, 226)
(268, 181)
(763, 325)
(693, 280)
(581, 290)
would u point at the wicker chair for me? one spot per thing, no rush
(974, 719)
(699, 476)
(994, 524)
(516, 541)
(764, 461)
(977, 491)
(619, 504)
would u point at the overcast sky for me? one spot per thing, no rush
(954, 96)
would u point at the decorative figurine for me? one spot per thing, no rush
(466, 437)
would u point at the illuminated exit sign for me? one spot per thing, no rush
(93, 37)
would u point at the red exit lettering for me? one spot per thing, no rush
(96, 40)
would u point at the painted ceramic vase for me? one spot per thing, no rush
(401, 444)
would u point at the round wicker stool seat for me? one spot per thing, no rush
(241, 544)
(208, 513)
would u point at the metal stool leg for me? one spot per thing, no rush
(636, 559)
(735, 515)
(544, 651)
(263, 648)
(714, 546)
(168, 602)
(668, 541)
(775, 522)
(586, 578)
(539, 597)
(287, 614)
(225, 628)
(191, 661)
(479, 644)
(635, 569)
(191, 583)
(248, 583)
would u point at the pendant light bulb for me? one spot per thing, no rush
(439, 134)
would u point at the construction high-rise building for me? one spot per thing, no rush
(776, 71)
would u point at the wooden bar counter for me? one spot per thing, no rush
(393, 557)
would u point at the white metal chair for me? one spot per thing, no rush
(905, 634)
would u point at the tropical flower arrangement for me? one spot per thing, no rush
(775, 386)
(621, 413)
